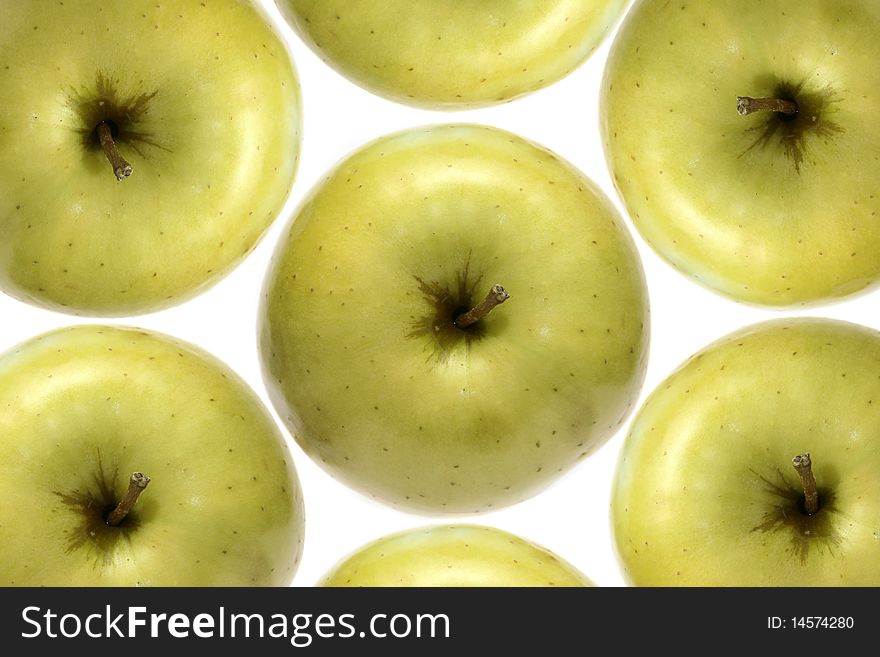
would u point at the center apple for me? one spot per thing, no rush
(383, 343)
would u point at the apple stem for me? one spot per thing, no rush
(746, 105)
(120, 165)
(803, 465)
(136, 486)
(497, 295)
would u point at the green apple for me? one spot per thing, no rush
(83, 409)
(364, 350)
(714, 486)
(450, 54)
(779, 206)
(197, 101)
(454, 555)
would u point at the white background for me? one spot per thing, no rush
(571, 518)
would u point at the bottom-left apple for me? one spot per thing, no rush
(89, 416)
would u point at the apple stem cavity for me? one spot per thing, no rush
(746, 105)
(136, 486)
(121, 167)
(497, 295)
(804, 467)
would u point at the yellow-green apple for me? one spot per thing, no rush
(454, 555)
(89, 416)
(451, 54)
(197, 101)
(757, 463)
(379, 343)
(742, 136)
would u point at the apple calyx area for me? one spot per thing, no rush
(746, 105)
(136, 485)
(804, 467)
(497, 295)
(121, 168)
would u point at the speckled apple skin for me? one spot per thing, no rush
(705, 492)
(208, 103)
(454, 555)
(81, 409)
(762, 209)
(452, 54)
(361, 359)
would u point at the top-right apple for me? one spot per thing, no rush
(744, 139)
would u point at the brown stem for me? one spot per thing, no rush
(497, 295)
(803, 465)
(136, 486)
(746, 105)
(120, 165)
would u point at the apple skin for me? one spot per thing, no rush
(449, 54)
(207, 108)
(453, 555)
(759, 208)
(362, 359)
(705, 492)
(81, 409)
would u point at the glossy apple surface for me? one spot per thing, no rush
(81, 409)
(706, 493)
(449, 54)
(454, 555)
(203, 103)
(767, 208)
(361, 353)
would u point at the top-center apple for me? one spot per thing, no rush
(456, 317)
(452, 54)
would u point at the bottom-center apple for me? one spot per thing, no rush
(454, 555)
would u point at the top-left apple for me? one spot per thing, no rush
(145, 147)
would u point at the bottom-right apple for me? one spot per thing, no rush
(757, 463)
